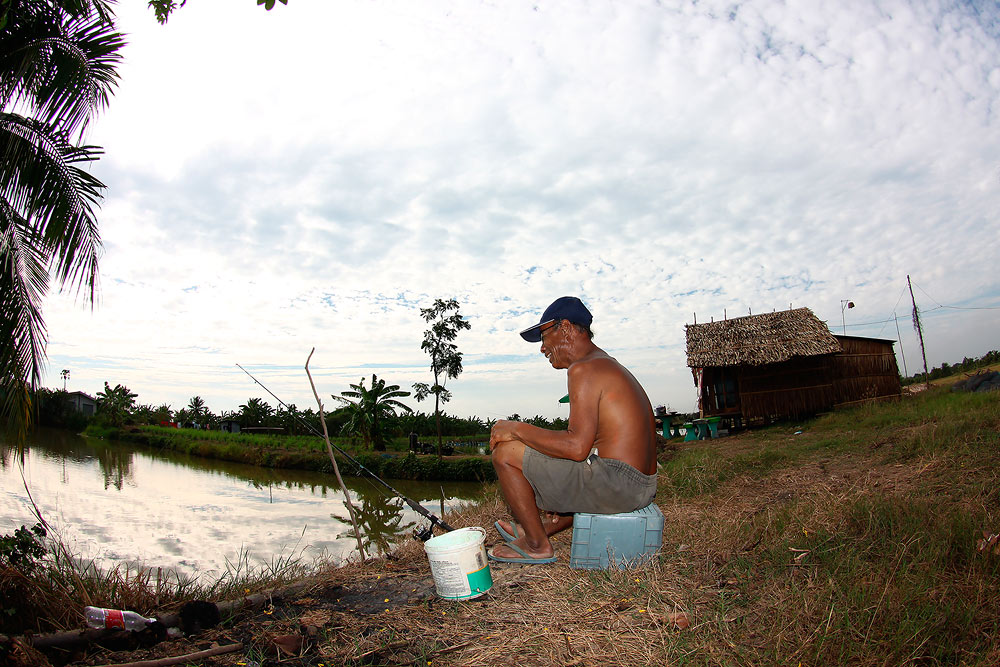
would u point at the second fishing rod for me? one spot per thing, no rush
(424, 534)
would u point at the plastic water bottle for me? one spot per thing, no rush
(107, 619)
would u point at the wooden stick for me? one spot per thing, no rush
(336, 468)
(178, 659)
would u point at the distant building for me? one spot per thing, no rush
(784, 365)
(229, 425)
(82, 403)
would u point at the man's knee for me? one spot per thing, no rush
(508, 454)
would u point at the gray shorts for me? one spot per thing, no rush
(596, 486)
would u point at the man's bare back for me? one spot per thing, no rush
(626, 429)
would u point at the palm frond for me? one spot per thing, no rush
(59, 61)
(23, 284)
(57, 66)
(39, 178)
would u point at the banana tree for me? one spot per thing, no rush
(369, 408)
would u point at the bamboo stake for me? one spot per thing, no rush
(333, 460)
(179, 659)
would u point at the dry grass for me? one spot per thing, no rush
(799, 550)
(540, 616)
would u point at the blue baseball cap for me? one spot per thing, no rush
(564, 308)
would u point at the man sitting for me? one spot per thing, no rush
(604, 463)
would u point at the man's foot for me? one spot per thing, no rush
(508, 530)
(551, 522)
(510, 552)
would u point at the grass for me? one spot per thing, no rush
(852, 538)
(309, 452)
(308, 443)
(847, 539)
(52, 597)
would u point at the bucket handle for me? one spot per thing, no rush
(478, 529)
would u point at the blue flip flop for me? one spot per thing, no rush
(507, 537)
(524, 560)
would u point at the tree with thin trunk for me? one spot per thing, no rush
(446, 361)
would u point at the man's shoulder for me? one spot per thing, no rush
(597, 361)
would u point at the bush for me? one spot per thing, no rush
(23, 549)
(411, 466)
(20, 562)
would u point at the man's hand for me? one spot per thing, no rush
(503, 431)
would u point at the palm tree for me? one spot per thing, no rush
(57, 70)
(196, 407)
(369, 409)
(116, 404)
(255, 412)
(288, 417)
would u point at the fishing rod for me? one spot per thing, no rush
(422, 535)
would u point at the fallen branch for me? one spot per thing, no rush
(333, 460)
(178, 659)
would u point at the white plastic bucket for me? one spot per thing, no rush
(459, 564)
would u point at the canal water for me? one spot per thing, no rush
(117, 504)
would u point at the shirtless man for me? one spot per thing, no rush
(604, 463)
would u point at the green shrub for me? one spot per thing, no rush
(23, 550)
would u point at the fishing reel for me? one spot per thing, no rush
(423, 534)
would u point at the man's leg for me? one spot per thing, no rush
(551, 521)
(508, 459)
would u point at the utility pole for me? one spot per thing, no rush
(920, 333)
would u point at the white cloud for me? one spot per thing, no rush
(313, 175)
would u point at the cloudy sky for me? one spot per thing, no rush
(314, 175)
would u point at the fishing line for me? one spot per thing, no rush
(424, 534)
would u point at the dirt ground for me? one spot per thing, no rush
(306, 624)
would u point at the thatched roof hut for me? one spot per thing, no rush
(756, 340)
(761, 368)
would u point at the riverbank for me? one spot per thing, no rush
(302, 453)
(856, 538)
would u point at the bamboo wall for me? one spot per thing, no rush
(796, 388)
(865, 371)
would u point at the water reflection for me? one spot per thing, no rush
(380, 519)
(116, 503)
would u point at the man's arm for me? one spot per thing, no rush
(578, 439)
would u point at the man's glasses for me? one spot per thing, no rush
(542, 332)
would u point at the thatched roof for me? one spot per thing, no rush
(757, 340)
